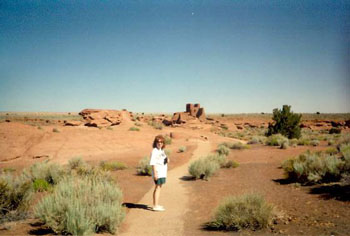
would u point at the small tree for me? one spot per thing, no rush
(286, 123)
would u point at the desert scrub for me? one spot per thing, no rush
(75, 163)
(81, 206)
(230, 164)
(182, 149)
(167, 140)
(156, 125)
(313, 168)
(314, 142)
(331, 151)
(276, 140)
(15, 196)
(203, 168)
(93, 172)
(219, 159)
(134, 129)
(257, 139)
(249, 211)
(144, 168)
(51, 172)
(112, 166)
(223, 150)
(236, 145)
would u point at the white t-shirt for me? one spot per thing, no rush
(157, 159)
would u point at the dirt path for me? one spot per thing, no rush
(174, 198)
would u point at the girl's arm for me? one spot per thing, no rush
(155, 174)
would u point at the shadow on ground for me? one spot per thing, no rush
(187, 178)
(40, 230)
(138, 206)
(335, 191)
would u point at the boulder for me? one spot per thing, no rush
(72, 123)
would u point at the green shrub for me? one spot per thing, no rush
(51, 172)
(218, 158)
(156, 125)
(236, 145)
(138, 124)
(76, 162)
(249, 211)
(286, 123)
(315, 142)
(167, 152)
(203, 168)
(344, 139)
(41, 185)
(144, 168)
(313, 168)
(231, 164)
(81, 206)
(167, 140)
(285, 144)
(134, 129)
(15, 196)
(331, 151)
(276, 140)
(304, 141)
(93, 172)
(293, 142)
(223, 150)
(111, 166)
(257, 139)
(182, 149)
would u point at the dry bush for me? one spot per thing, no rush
(182, 149)
(203, 168)
(75, 163)
(223, 150)
(249, 211)
(276, 140)
(257, 139)
(236, 145)
(167, 140)
(51, 172)
(218, 158)
(112, 166)
(82, 205)
(314, 167)
(144, 168)
(134, 129)
(15, 196)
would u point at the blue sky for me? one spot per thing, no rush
(156, 56)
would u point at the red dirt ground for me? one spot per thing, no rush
(304, 213)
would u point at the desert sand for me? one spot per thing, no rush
(189, 204)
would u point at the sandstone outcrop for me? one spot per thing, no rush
(101, 118)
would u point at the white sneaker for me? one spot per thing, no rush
(158, 208)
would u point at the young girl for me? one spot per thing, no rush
(159, 163)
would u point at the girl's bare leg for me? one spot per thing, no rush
(156, 194)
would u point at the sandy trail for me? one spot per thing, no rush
(174, 198)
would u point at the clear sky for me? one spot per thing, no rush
(156, 56)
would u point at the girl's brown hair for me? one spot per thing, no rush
(160, 138)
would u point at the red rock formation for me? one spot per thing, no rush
(101, 118)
